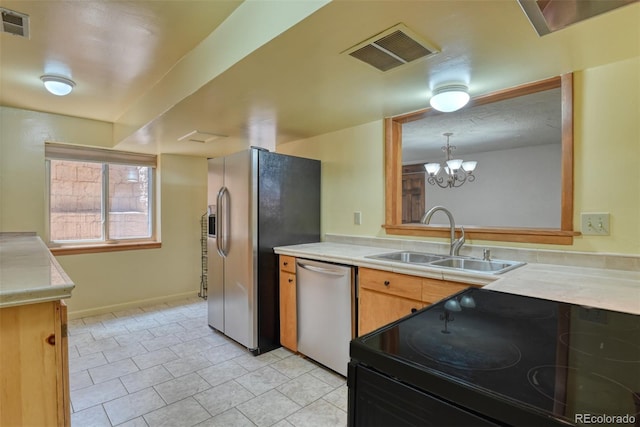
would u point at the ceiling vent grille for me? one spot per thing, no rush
(392, 48)
(15, 23)
(199, 136)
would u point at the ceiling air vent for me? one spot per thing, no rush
(394, 47)
(15, 23)
(201, 137)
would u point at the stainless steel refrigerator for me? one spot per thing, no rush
(260, 200)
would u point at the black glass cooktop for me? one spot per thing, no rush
(572, 363)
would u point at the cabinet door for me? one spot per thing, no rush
(434, 290)
(288, 311)
(377, 309)
(62, 344)
(30, 357)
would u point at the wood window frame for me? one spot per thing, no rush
(393, 173)
(77, 153)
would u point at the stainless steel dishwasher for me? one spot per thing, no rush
(326, 312)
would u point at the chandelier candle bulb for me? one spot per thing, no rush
(469, 166)
(454, 164)
(432, 168)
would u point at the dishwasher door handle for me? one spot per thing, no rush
(320, 269)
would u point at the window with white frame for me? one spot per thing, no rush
(99, 196)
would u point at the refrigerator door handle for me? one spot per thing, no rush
(321, 270)
(227, 222)
(221, 230)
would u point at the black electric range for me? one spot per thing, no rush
(485, 357)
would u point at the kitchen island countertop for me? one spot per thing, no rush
(28, 271)
(595, 287)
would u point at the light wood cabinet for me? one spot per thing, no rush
(35, 371)
(376, 309)
(288, 306)
(386, 297)
(433, 290)
(401, 285)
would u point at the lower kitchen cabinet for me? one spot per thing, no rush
(386, 297)
(377, 309)
(383, 297)
(433, 290)
(35, 369)
(288, 307)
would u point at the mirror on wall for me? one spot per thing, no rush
(517, 145)
(521, 187)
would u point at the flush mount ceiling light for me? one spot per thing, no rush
(57, 85)
(449, 98)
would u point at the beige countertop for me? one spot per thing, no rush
(28, 271)
(603, 288)
(593, 287)
(356, 255)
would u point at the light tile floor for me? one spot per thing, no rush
(163, 366)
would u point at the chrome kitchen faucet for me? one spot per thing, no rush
(456, 244)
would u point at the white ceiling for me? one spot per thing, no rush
(272, 71)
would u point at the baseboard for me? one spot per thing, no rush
(128, 305)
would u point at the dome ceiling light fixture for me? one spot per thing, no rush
(449, 98)
(57, 85)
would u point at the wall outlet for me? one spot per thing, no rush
(595, 224)
(357, 218)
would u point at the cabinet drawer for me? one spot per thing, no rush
(391, 283)
(288, 263)
(434, 290)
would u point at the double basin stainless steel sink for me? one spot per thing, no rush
(473, 265)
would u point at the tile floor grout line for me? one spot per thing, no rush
(159, 322)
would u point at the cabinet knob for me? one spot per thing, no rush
(413, 310)
(290, 280)
(51, 339)
(285, 263)
(387, 283)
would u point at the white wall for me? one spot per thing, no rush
(607, 151)
(352, 178)
(524, 183)
(113, 280)
(22, 174)
(606, 155)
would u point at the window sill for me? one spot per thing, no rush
(106, 247)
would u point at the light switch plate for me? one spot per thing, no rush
(595, 224)
(357, 218)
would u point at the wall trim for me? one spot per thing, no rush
(78, 314)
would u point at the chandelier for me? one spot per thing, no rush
(451, 173)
